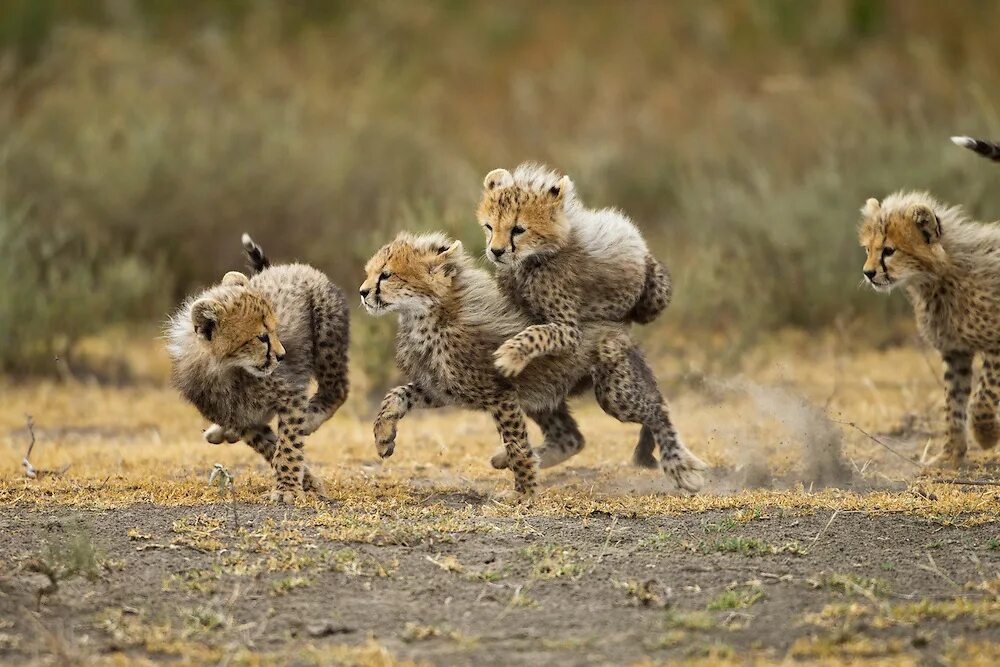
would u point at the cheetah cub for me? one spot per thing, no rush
(950, 269)
(245, 350)
(565, 264)
(452, 317)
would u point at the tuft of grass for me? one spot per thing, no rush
(643, 594)
(551, 561)
(737, 597)
(744, 546)
(74, 554)
(851, 584)
(286, 585)
(657, 540)
(690, 620)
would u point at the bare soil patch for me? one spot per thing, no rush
(600, 589)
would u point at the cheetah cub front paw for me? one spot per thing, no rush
(285, 496)
(385, 436)
(216, 435)
(514, 497)
(510, 359)
(685, 469)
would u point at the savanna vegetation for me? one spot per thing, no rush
(139, 139)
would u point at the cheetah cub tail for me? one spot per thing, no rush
(987, 149)
(256, 259)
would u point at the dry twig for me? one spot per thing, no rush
(876, 440)
(29, 470)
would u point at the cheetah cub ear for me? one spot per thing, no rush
(498, 178)
(871, 208)
(926, 221)
(559, 191)
(235, 278)
(443, 260)
(205, 317)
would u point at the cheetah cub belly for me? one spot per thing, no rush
(244, 352)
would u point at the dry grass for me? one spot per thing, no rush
(142, 444)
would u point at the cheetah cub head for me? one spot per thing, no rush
(901, 237)
(524, 213)
(413, 273)
(238, 326)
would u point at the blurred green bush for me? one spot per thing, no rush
(139, 139)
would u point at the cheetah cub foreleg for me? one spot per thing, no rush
(537, 340)
(396, 404)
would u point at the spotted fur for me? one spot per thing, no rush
(452, 317)
(245, 351)
(565, 264)
(950, 269)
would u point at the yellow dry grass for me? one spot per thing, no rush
(142, 443)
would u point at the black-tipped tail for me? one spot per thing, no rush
(256, 259)
(987, 149)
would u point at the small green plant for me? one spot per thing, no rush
(739, 597)
(73, 555)
(288, 584)
(204, 619)
(415, 632)
(551, 561)
(745, 546)
(658, 540)
(689, 620)
(850, 584)
(723, 525)
(222, 479)
(643, 594)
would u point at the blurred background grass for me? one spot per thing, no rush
(138, 139)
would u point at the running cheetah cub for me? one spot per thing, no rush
(565, 264)
(452, 317)
(245, 351)
(950, 268)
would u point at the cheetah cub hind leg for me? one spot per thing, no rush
(563, 439)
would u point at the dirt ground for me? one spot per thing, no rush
(821, 536)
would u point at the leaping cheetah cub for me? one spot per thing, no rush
(565, 264)
(452, 317)
(245, 351)
(950, 268)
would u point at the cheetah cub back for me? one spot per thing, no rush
(245, 350)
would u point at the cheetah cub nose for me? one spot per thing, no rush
(364, 292)
(498, 253)
(870, 275)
